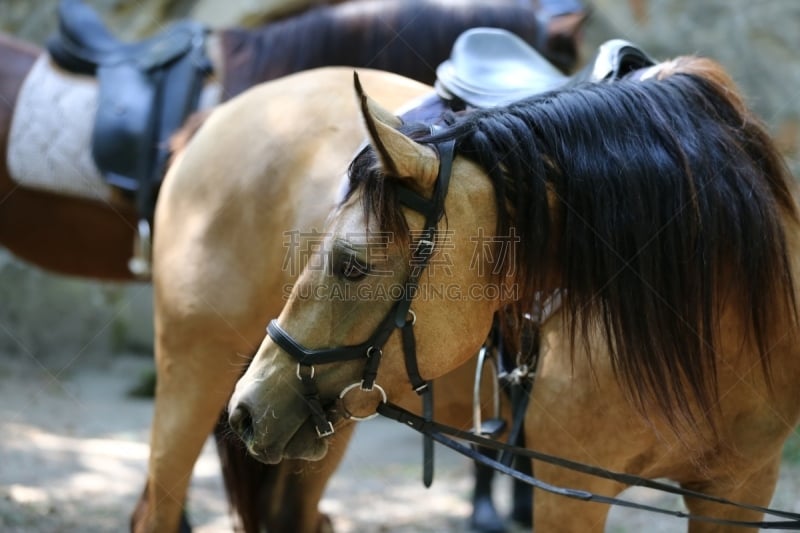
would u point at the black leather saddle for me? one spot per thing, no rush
(491, 66)
(146, 91)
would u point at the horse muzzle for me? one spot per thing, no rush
(273, 433)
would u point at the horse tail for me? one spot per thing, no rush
(248, 483)
(263, 497)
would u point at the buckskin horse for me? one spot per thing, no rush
(92, 237)
(671, 235)
(206, 328)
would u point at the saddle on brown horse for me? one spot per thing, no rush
(147, 90)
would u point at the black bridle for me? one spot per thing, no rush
(400, 315)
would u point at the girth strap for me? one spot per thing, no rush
(520, 397)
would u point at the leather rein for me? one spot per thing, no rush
(400, 316)
(446, 436)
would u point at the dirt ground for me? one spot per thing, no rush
(73, 454)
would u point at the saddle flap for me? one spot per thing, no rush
(492, 66)
(124, 130)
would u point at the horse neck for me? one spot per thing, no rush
(16, 60)
(343, 35)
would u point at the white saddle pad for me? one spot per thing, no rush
(51, 131)
(48, 146)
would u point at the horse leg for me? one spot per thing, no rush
(485, 517)
(757, 489)
(553, 512)
(191, 390)
(522, 493)
(141, 511)
(197, 366)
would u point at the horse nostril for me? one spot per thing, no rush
(241, 421)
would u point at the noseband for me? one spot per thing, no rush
(400, 316)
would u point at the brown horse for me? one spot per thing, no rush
(672, 234)
(91, 238)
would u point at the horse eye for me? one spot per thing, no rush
(352, 269)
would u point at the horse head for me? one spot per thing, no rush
(392, 259)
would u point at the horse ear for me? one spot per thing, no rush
(398, 154)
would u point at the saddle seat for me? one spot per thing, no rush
(146, 90)
(83, 42)
(491, 66)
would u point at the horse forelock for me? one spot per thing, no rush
(669, 198)
(380, 206)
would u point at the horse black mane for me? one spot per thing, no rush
(669, 199)
(407, 37)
